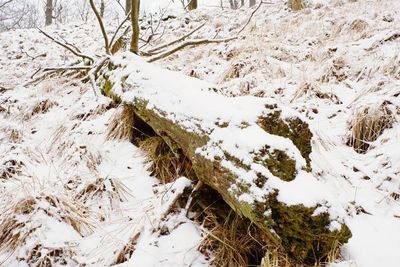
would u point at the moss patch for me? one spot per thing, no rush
(306, 238)
(293, 128)
(278, 163)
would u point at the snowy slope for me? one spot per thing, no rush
(65, 190)
(328, 62)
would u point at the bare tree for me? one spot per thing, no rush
(18, 14)
(234, 4)
(135, 5)
(49, 12)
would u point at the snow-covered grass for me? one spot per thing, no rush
(68, 193)
(336, 62)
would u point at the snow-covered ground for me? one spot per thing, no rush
(66, 190)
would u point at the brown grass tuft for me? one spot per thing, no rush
(127, 251)
(10, 168)
(15, 135)
(46, 257)
(16, 224)
(367, 125)
(232, 241)
(40, 108)
(296, 5)
(165, 165)
(358, 25)
(110, 187)
(121, 126)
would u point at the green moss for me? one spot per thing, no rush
(277, 162)
(305, 237)
(293, 128)
(107, 87)
(107, 91)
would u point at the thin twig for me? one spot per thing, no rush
(68, 68)
(177, 40)
(251, 16)
(119, 28)
(76, 53)
(189, 43)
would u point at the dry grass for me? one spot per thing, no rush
(110, 187)
(165, 165)
(11, 168)
(367, 125)
(16, 223)
(14, 135)
(40, 108)
(41, 256)
(121, 126)
(358, 25)
(338, 71)
(127, 251)
(309, 89)
(274, 257)
(232, 241)
(296, 5)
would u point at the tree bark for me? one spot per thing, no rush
(128, 6)
(192, 4)
(135, 5)
(49, 12)
(102, 8)
(237, 154)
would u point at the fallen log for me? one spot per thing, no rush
(253, 151)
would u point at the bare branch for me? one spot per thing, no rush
(68, 68)
(251, 16)
(5, 3)
(189, 43)
(176, 41)
(119, 28)
(103, 30)
(76, 53)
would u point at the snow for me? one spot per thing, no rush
(321, 64)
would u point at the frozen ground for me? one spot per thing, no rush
(67, 191)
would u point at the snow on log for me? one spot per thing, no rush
(253, 151)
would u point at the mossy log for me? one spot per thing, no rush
(250, 150)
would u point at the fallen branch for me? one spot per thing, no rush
(189, 43)
(68, 68)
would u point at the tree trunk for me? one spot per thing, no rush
(49, 12)
(192, 4)
(245, 148)
(102, 8)
(135, 26)
(128, 6)
(252, 3)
